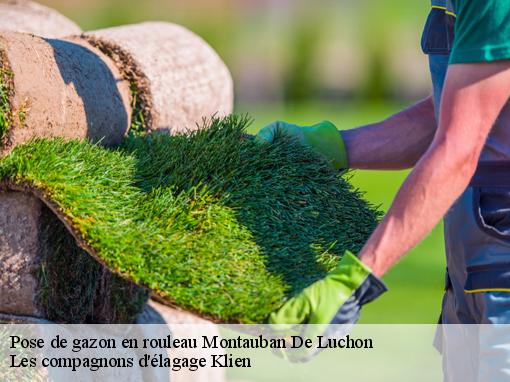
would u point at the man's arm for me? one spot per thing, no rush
(395, 143)
(472, 99)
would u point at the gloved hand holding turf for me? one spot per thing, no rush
(323, 137)
(328, 307)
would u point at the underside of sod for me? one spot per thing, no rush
(210, 222)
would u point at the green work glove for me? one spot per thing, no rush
(328, 307)
(323, 137)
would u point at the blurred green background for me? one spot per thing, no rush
(349, 61)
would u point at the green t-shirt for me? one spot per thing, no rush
(482, 31)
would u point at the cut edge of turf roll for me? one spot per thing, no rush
(177, 79)
(47, 276)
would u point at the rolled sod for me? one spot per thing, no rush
(59, 88)
(177, 79)
(212, 223)
(30, 17)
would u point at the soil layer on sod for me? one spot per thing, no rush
(213, 223)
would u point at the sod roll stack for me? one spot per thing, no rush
(30, 17)
(176, 78)
(59, 88)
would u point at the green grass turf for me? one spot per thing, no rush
(416, 282)
(214, 223)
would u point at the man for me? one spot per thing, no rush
(458, 143)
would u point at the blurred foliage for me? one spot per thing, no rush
(380, 59)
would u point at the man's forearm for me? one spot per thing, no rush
(395, 143)
(473, 97)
